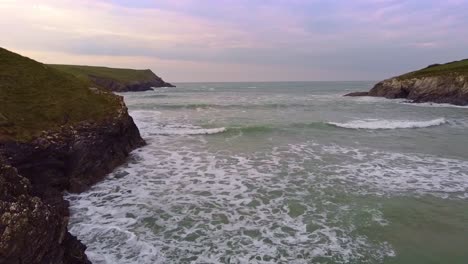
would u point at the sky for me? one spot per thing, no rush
(243, 40)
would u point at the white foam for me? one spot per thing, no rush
(389, 124)
(373, 99)
(435, 105)
(189, 131)
(384, 173)
(183, 201)
(179, 200)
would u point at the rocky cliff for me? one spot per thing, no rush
(447, 83)
(116, 80)
(66, 138)
(32, 231)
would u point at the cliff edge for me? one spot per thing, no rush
(438, 83)
(56, 134)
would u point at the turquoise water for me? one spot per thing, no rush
(282, 173)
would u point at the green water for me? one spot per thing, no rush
(282, 173)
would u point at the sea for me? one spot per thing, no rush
(284, 172)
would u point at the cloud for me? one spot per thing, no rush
(316, 39)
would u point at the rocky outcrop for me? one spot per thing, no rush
(31, 231)
(135, 86)
(449, 88)
(356, 94)
(33, 213)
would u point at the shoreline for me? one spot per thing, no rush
(72, 160)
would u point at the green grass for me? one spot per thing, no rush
(456, 67)
(36, 97)
(124, 76)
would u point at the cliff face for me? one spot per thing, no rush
(134, 86)
(59, 135)
(446, 83)
(71, 159)
(74, 157)
(22, 240)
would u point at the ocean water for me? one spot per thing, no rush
(282, 173)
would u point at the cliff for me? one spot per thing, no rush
(116, 80)
(21, 241)
(56, 134)
(438, 83)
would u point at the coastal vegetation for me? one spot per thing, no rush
(58, 133)
(121, 75)
(455, 67)
(114, 79)
(36, 97)
(437, 83)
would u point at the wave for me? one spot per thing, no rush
(263, 129)
(389, 124)
(435, 105)
(226, 106)
(189, 131)
(157, 96)
(251, 129)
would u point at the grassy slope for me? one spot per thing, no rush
(459, 67)
(121, 75)
(35, 97)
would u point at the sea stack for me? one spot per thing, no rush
(438, 83)
(56, 134)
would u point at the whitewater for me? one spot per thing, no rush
(282, 173)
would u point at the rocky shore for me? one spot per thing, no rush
(77, 151)
(33, 211)
(447, 83)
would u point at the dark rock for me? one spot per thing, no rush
(354, 94)
(31, 231)
(135, 86)
(34, 229)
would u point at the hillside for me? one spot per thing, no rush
(114, 79)
(455, 67)
(437, 83)
(35, 97)
(56, 134)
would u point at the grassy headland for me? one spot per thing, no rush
(458, 67)
(36, 97)
(120, 75)
(114, 79)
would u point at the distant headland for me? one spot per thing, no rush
(437, 83)
(115, 79)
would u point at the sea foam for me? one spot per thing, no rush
(189, 131)
(389, 124)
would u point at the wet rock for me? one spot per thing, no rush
(357, 94)
(33, 214)
(32, 231)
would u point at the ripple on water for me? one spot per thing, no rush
(183, 203)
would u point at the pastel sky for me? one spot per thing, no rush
(242, 40)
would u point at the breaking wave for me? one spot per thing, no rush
(189, 131)
(389, 124)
